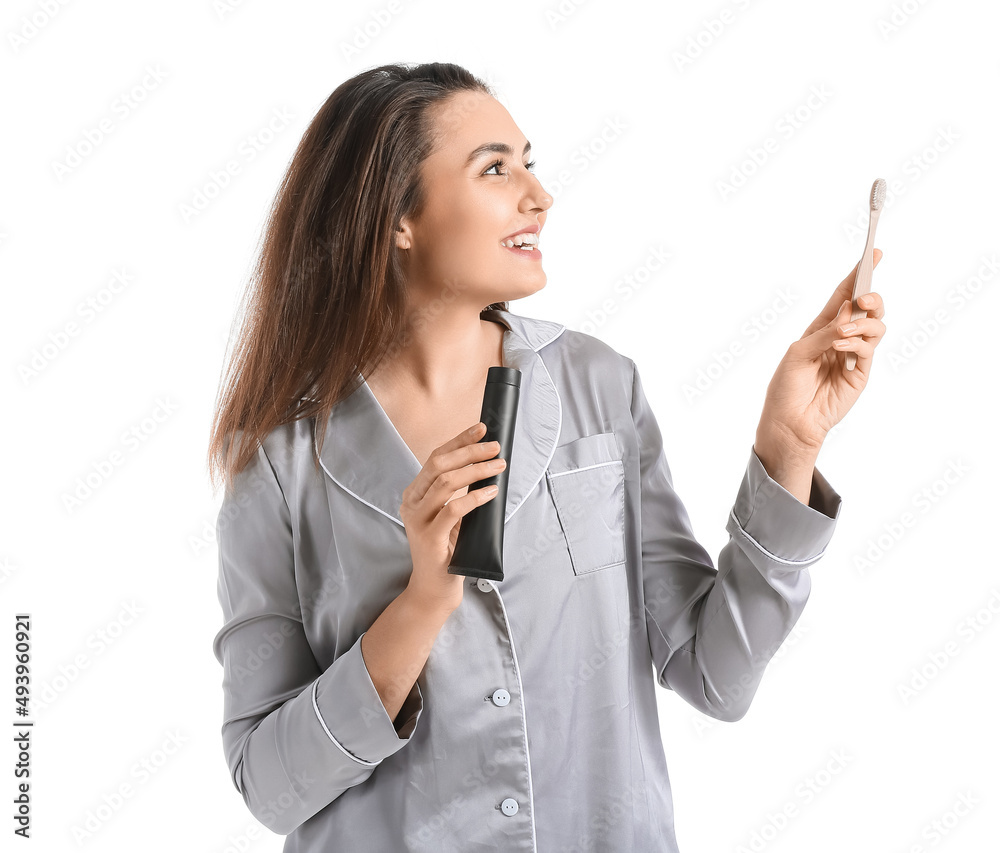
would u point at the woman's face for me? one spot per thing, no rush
(453, 250)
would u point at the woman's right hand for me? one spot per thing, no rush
(432, 514)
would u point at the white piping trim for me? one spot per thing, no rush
(329, 734)
(555, 443)
(585, 468)
(524, 721)
(768, 554)
(356, 495)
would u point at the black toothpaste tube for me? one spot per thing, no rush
(479, 548)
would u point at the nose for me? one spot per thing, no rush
(535, 196)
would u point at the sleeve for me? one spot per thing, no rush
(712, 632)
(295, 737)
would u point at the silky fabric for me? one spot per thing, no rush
(533, 725)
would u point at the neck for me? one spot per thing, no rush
(445, 355)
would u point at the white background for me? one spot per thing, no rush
(120, 585)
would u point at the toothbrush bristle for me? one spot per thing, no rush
(878, 194)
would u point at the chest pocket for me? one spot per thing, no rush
(586, 478)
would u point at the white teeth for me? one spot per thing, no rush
(527, 242)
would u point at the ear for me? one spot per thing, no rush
(404, 235)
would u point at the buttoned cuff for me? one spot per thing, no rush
(773, 524)
(351, 712)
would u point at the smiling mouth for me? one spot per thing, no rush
(531, 254)
(526, 241)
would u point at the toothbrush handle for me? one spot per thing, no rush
(862, 282)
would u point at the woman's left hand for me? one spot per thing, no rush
(812, 389)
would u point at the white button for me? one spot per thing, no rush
(501, 697)
(485, 585)
(509, 806)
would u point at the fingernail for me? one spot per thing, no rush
(865, 300)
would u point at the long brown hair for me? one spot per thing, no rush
(325, 301)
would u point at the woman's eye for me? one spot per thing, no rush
(496, 164)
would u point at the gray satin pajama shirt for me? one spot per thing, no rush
(533, 725)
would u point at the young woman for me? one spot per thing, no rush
(375, 702)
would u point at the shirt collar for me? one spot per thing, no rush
(365, 455)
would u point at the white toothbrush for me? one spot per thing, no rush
(863, 277)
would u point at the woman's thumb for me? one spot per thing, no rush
(819, 341)
(844, 306)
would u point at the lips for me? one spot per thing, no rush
(531, 229)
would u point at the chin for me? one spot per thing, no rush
(541, 283)
(521, 293)
(538, 283)
(518, 290)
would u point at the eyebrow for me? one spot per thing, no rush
(495, 148)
